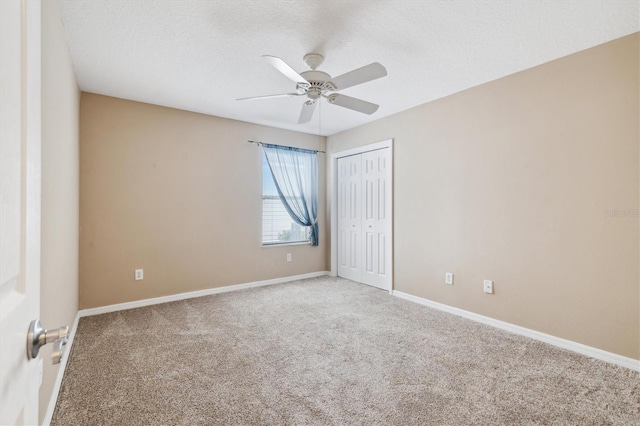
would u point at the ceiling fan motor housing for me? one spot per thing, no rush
(317, 83)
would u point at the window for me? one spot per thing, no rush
(277, 225)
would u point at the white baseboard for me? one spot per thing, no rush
(589, 351)
(192, 294)
(63, 365)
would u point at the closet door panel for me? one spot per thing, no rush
(349, 218)
(377, 212)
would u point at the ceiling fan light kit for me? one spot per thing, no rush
(316, 84)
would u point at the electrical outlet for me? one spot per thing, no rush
(139, 274)
(288, 257)
(488, 286)
(448, 278)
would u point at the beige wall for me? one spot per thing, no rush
(177, 194)
(60, 124)
(509, 181)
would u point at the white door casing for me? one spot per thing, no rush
(375, 203)
(20, 58)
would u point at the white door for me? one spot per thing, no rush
(376, 218)
(364, 217)
(19, 207)
(349, 223)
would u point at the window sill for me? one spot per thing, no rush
(297, 243)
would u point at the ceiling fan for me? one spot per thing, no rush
(314, 84)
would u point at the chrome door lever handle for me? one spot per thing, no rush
(38, 337)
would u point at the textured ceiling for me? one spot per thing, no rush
(202, 55)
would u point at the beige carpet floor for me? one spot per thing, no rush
(329, 352)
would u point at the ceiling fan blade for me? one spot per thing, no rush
(352, 103)
(285, 69)
(359, 76)
(307, 112)
(281, 95)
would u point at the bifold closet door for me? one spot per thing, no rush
(364, 218)
(349, 222)
(376, 218)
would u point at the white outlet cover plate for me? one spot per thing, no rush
(448, 278)
(488, 286)
(139, 274)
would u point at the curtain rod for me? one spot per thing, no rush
(286, 146)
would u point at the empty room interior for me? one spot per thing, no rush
(320, 212)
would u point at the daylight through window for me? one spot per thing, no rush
(277, 225)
